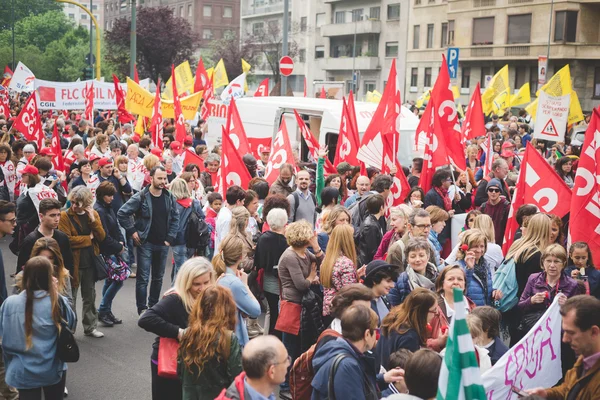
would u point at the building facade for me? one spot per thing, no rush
(80, 17)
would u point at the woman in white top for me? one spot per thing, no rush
(101, 147)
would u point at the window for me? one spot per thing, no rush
(444, 41)
(96, 16)
(484, 71)
(393, 11)
(483, 31)
(227, 12)
(520, 79)
(414, 77)
(427, 78)
(189, 10)
(303, 24)
(357, 15)
(320, 20)
(257, 28)
(302, 55)
(181, 11)
(72, 16)
(319, 51)
(373, 47)
(596, 83)
(206, 34)
(391, 49)
(465, 81)
(83, 16)
(519, 29)
(417, 2)
(340, 17)
(429, 36)
(370, 86)
(450, 33)
(533, 80)
(94, 7)
(207, 11)
(374, 13)
(416, 34)
(565, 27)
(274, 25)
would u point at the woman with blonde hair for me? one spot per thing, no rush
(210, 355)
(169, 318)
(493, 254)
(338, 268)
(227, 262)
(398, 220)
(150, 161)
(472, 247)
(101, 146)
(240, 216)
(339, 215)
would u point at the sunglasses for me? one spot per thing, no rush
(493, 190)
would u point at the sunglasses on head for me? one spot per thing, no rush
(493, 190)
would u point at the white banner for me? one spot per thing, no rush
(40, 192)
(22, 80)
(135, 174)
(234, 90)
(552, 117)
(71, 95)
(533, 362)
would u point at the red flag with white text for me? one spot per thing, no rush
(156, 124)
(123, 115)
(435, 154)
(258, 144)
(6, 76)
(313, 144)
(263, 89)
(233, 170)
(347, 145)
(584, 221)
(29, 123)
(89, 102)
(5, 104)
(207, 99)
(57, 160)
(234, 128)
(281, 153)
(201, 81)
(474, 125)
(180, 133)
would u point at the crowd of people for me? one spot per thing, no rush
(357, 296)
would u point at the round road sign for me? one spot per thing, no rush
(286, 66)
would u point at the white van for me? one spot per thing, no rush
(262, 116)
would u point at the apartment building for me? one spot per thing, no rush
(80, 17)
(492, 33)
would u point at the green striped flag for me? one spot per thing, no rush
(460, 378)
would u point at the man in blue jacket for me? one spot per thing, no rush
(354, 366)
(153, 231)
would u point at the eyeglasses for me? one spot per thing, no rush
(449, 180)
(12, 221)
(493, 190)
(287, 360)
(428, 226)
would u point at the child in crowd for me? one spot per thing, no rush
(581, 267)
(479, 337)
(215, 201)
(490, 325)
(398, 359)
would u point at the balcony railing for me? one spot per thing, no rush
(516, 51)
(349, 28)
(484, 3)
(252, 9)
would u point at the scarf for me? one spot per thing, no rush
(425, 281)
(186, 203)
(444, 195)
(482, 273)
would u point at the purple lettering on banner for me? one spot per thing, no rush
(547, 342)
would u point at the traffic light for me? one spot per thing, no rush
(88, 73)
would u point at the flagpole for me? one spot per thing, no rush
(550, 30)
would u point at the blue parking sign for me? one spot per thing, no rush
(452, 62)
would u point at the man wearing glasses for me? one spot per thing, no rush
(497, 207)
(419, 225)
(499, 171)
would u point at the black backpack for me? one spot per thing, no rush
(197, 234)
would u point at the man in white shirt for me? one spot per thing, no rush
(233, 198)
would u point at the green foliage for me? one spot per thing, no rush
(23, 9)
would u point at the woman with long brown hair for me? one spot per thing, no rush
(49, 248)
(210, 355)
(32, 365)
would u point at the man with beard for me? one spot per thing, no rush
(153, 231)
(302, 202)
(282, 184)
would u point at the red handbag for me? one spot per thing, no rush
(289, 317)
(167, 358)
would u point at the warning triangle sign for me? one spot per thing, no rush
(550, 129)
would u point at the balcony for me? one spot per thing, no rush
(250, 10)
(349, 28)
(530, 51)
(345, 63)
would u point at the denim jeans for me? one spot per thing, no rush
(180, 255)
(151, 259)
(109, 291)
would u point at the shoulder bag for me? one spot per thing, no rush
(66, 347)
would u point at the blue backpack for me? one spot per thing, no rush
(505, 280)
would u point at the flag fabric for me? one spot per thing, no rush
(304, 86)
(6, 76)
(89, 102)
(263, 89)
(5, 105)
(575, 112)
(207, 96)
(136, 77)
(435, 152)
(28, 122)
(313, 144)
(258, 144)
(123, 115)
(584, 220)
(234, 128)
(22, 80)
(234, 90)
(423, 98)
(57, 160)
(348, 142)
(323, 95)
(281, 153)
(498, 92)
(180, 133)
(220, 75)
(559, 85)
(460, 377)
(487, 148)
(455, 92)
(540, 185)
(140, 125)
(373, 97)
(233, 170)
(474, 124)
(185, 80)
(201, 81)
(245, 69)
(156, 123)
(189, 157)
(523, 96)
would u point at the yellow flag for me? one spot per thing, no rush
(140, 101)
(210, 72)
(139, 125)
(575, 112)
(559, 84)
(460, 110)
(245, 68)
(220, 75)
(455, 92)
(185, 81)
(497, 95)
(423, 98)
(523, 96)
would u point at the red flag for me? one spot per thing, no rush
(192, 158)
(29, 123)
(257, 145)
(206, 99)
(136, 77)
(474, 124)
(488, 149)
(304, 86)
(352, 115)
(179, 121)
(263, 89)
(7, 76)
(313, 144)
(540, 185)
(281, 153)
(585, 208)
(201, 81)
(123, 115)
(57, 161)
(434, 154)
(235, 129)
(156, 125)
(444, 106)
(233, 170)
(5, 105)
(65, 114)
(323, 95)
(347, 145)
(89, 102)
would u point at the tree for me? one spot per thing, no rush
(269, 42)
(232, 51)
(23, 9)
(162, 40)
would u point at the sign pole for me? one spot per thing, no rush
(284, 44)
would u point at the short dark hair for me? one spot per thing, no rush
(381, 183)
(286, 166)
(214, 196)
(347, 295)
(440, 176)
(49, 204)
(144, 143)
(329, 195)
(398, 359)
(250, 196)
(526, 210)
(106, 188)
(260, 186)
(422, 372)
(43, 163)
(392, 273)
(6, 207)
(490, 320)
(587, 311)
(275, 201)
(418, 164)
(82, 163)
(356, 320)
(234, 193)
(257, 366)
(374, 203)
(157, 168)
(190, 167)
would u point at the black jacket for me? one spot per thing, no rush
(269, 248)
(311, 320)
(371, 233)
(63, 242)
(111, 245)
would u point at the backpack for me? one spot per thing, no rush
(356, 217)
(197, 234)
(505, 280)
(302, 373)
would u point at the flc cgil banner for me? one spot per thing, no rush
(71, 95)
